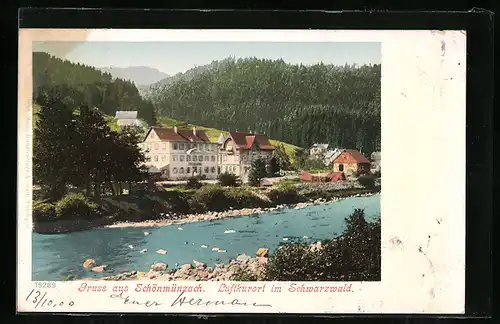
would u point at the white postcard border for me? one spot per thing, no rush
(423, 184)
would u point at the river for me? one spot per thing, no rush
(60, 256)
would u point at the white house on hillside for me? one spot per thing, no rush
(180, 153)
(127, 118)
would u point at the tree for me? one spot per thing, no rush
(282, 158)
(228, 179)
(257, 172)
(273, 167)
(297, 104)
(52, 152)
(92, 148)
(300, 158)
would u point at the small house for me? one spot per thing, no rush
(351, 161)
(317, 150)
(127, 118)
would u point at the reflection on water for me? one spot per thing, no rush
(57, 256)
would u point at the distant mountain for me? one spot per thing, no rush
(184, 76)
(140, 75)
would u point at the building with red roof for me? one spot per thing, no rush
(350, 161)
(239, 149)
(180, 153)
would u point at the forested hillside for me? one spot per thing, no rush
(81, 85)
(297, 104)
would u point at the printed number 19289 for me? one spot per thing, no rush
(45, 284)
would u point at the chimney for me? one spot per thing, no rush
(194, 130)
(175, 129)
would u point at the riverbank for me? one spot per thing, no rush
(242, 268)
(169, 208)
(190, 218)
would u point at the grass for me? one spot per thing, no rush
(213, 134)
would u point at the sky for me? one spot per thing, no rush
(175, 57)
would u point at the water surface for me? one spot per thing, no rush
(55, 257)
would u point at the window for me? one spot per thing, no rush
(181, 170)
(236, 158)
(181, 146)
(218, 169)
(200, 158)
(243, 158)
(152, 134)
(164, 146)
(156, 158)
(219, 158)
(163, 158)
(212, 170)
(181, 158)
(195, 145)
(225, 168)
(175, 146)
(341, 167)
(188, 158)
(207, 158)
(149, 147)
(156, 146)
(224, 158)
(206, 170)
(213, 158)
(174, 158)
(148, 158)
(188, 170)
(195, 158)
(174, 170)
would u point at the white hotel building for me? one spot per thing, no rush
(179, 154)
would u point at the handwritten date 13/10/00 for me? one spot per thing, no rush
(40, 299)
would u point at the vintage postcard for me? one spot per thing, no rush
(241, 171)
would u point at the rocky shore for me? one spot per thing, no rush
(242, 268)
(171, 219)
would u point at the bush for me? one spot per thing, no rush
(228, 179)
(193, 183)
(44, 212)
(377, 174)
(284, 194)
(244, 275)
(367, 181)
(211, 198)
(354, 256)
(75, 206)
(243, 198)
(295, 262)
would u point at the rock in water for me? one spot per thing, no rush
(89, 263)
(185, 267)
(161, 251)
(159, 266)
(99, 269)
(262, 252)
(199, 264)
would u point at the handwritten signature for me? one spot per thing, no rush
(182, 300)
(128, 301)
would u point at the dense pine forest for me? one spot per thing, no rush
(79, 85)
(298, 104)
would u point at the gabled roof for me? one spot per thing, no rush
(246, 140)
(221, 139)
(355, 154)
(189, 135)
(333, 154)
(126, 115)
(169, 134)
